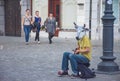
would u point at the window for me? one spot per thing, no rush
(81, 6)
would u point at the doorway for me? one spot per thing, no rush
(54, 7)
(12, 18)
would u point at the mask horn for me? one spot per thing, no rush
(74, 23)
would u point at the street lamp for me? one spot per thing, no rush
(108, 64)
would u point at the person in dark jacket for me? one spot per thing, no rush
(50, 24)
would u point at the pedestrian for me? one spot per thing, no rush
(50, 24)
(26, 23)
(82, 54)
(37, 23)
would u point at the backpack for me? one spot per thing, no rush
(86, 73)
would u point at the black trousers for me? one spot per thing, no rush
(37, 36)
(51, 35)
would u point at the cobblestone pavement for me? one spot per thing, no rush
(40, 62)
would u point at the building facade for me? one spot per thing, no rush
(2, 17)
(98, 7)
(65, 11)
(79, 11)
(10, 16)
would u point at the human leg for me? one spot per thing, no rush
(26, 30)
(50, 37)
(75, 59)
(65, 64)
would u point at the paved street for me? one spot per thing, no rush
(40, 62)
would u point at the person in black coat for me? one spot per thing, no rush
(50, 24)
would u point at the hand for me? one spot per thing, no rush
(77, 51)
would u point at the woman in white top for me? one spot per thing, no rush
(26, 23)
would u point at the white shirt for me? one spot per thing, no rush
(27, 20)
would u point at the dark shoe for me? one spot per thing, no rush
(62, 73)
(27, 43)
(50, 42)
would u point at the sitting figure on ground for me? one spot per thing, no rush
(82, 54)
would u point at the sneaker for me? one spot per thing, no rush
(38, 42)
(27, 43)
(62, 73)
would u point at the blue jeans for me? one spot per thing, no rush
(27, 29)
(74, 60)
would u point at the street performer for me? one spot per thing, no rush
(82, 54)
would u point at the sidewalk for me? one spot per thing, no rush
(40, 62)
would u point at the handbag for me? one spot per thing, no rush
(33, 27)
(56, 32)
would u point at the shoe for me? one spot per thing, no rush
(38, 42)
(50, 42)
(62, 73)
(27, 43)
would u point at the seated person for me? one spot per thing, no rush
(81, 55)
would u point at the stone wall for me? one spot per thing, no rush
(94, 34)
(2, 18)
(68, 13)
(42, 7)
(25, 4)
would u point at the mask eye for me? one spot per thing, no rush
(77, 38)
